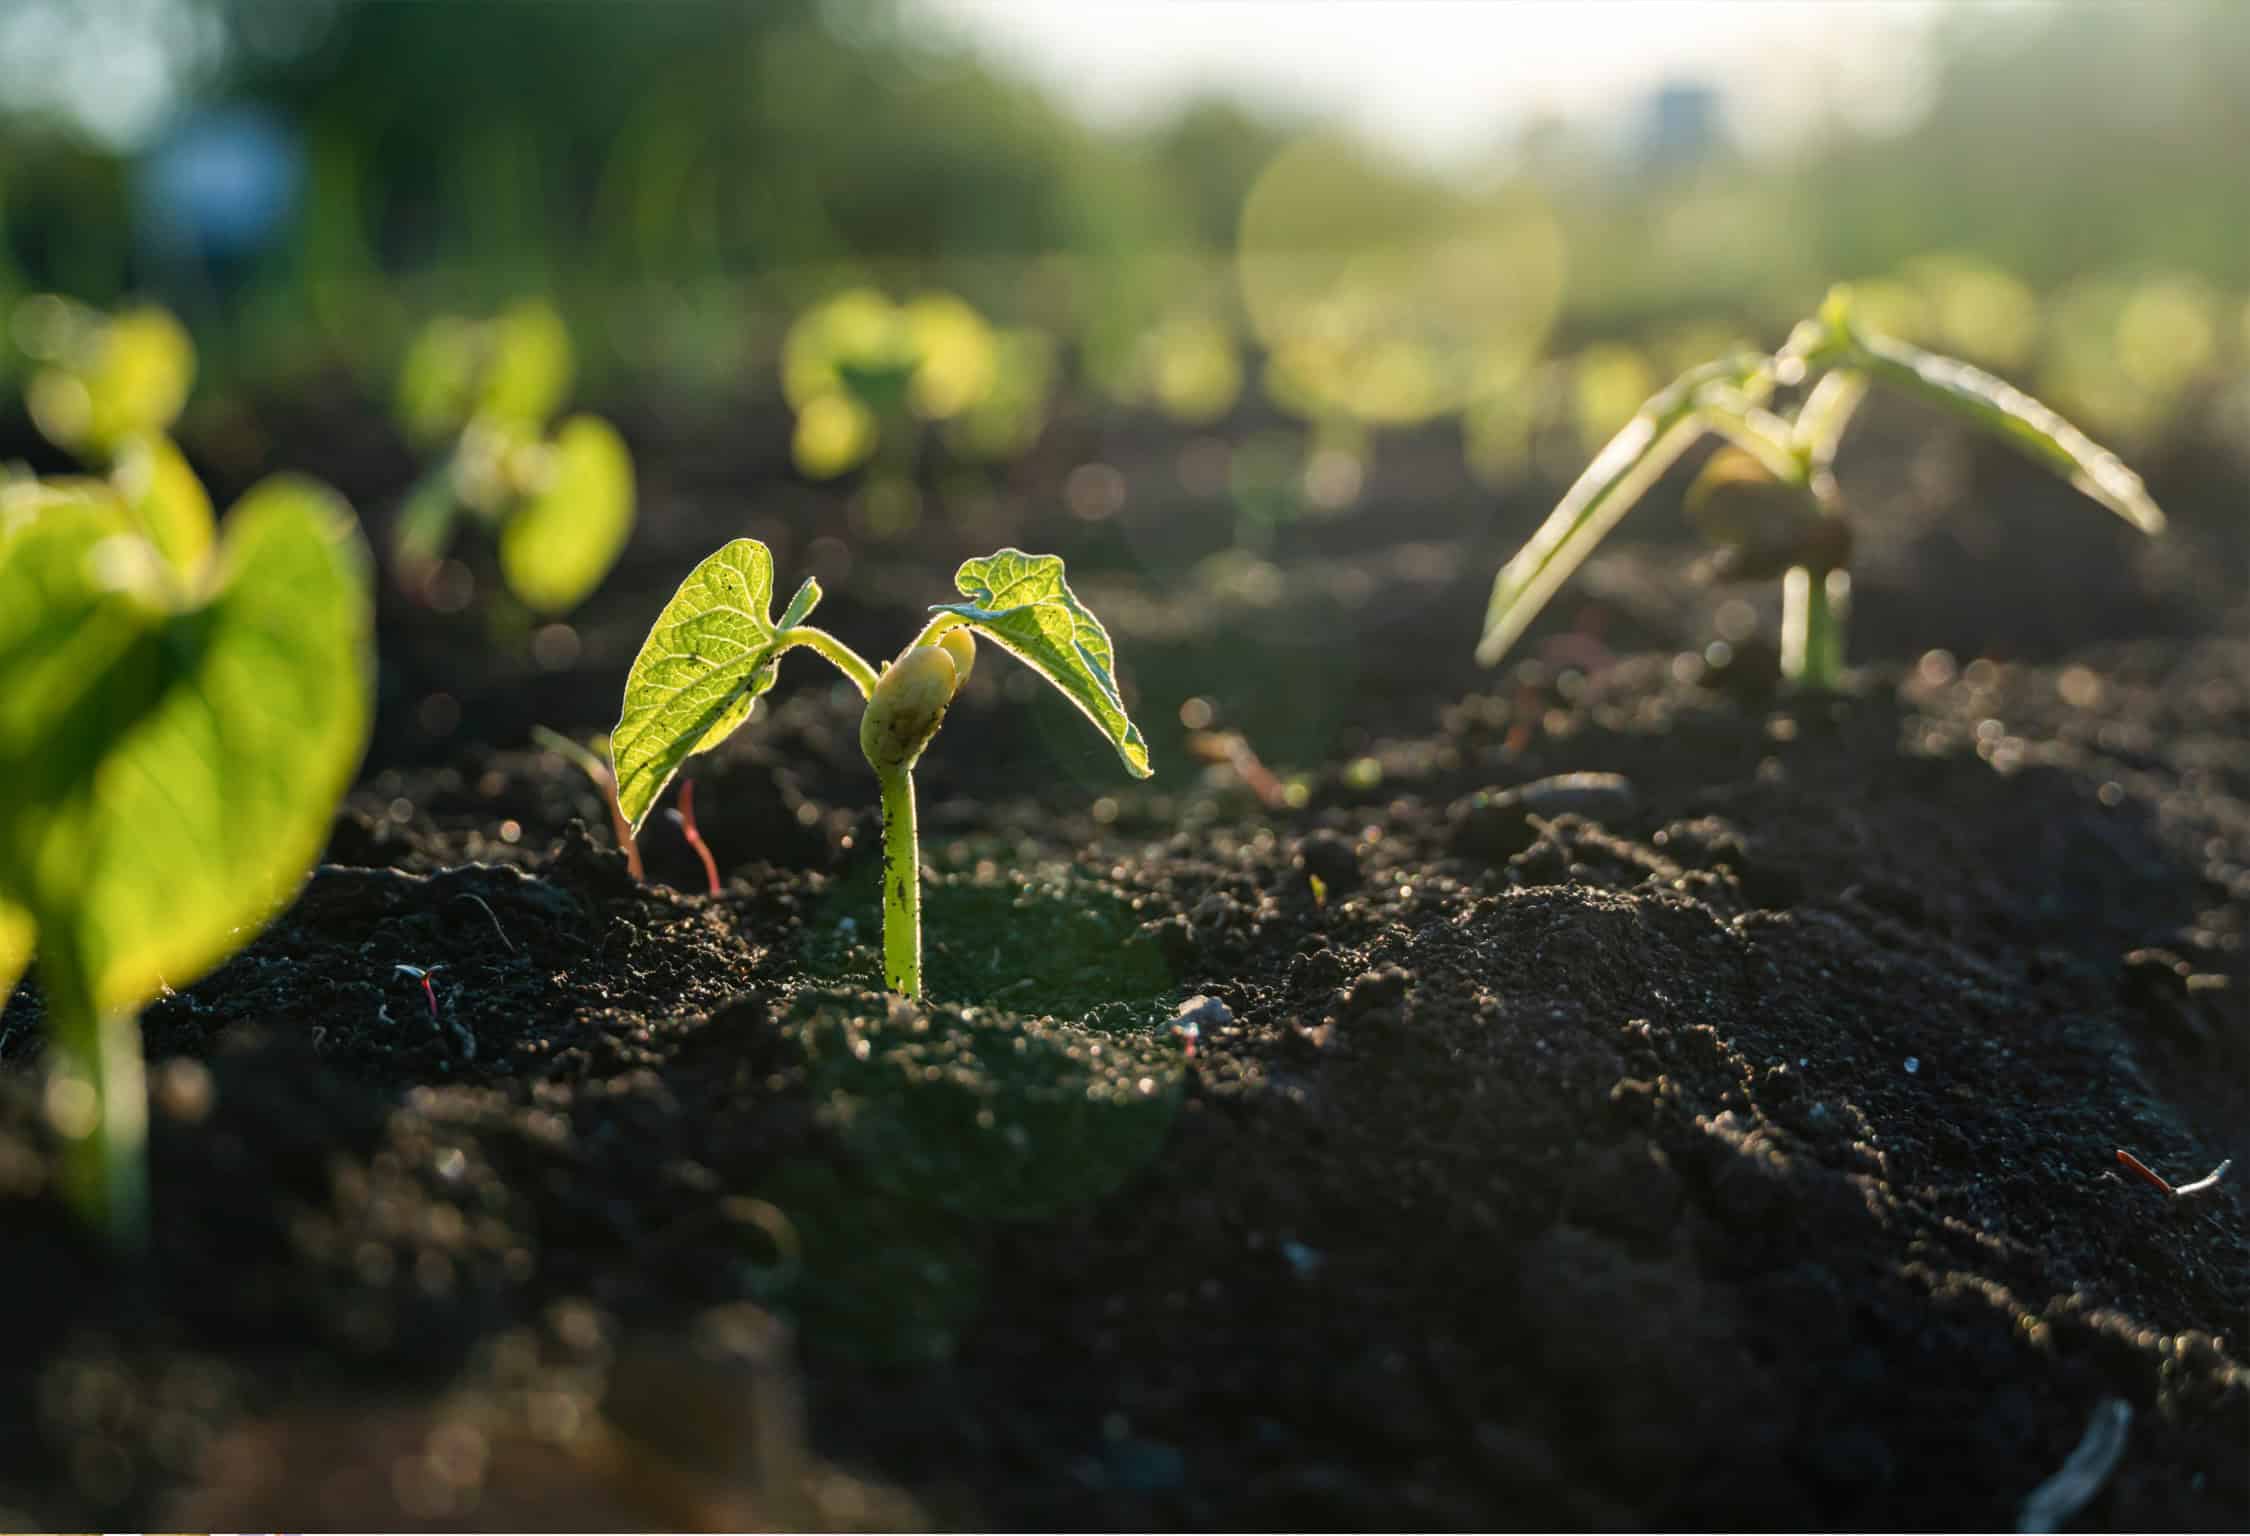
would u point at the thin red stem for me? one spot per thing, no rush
(695, 838)
(2145, 1171)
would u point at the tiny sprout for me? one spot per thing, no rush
(597, 770)
(1769, 500)
(423, 974)
(684, 819)
(714, 649)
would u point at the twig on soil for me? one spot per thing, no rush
(2081, 1476)
(684, 819)
(2174, 1191)
(1233, 749)
(488, 912)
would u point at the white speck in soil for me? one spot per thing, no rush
(1913, 1065)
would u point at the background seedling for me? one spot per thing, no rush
(714, 649)
(173, 748)
(1769, 500)
(560, 506)
(108, 388)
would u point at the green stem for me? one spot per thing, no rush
(1815, 605)
(938, 625)
(97, 1101)
(846, 660)
(902, 885)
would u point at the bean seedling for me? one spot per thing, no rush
(561, 507)
(1768, 499)
(174, 743)
(714, 650)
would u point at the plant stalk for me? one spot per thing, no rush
(97, 1102)
(902, 885)
(843, 657)
(1815, 606)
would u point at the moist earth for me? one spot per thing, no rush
(1607, 1091)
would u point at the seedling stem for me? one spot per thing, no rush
(685, 815)
(597, 770)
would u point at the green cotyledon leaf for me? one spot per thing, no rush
(1023, 603)
(711, 652)
(174, 768)
(557, 547)
(1999, 408)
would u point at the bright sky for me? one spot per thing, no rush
(1446, 79)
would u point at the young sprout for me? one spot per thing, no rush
(684, 819)
(560, 504)
(714, 649)
(605, 781)
(1769, 499)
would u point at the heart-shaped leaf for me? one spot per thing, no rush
(173, 769)
(559, 545)
(1023, 603)
(710, 654)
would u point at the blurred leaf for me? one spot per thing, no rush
(1008, 420)
(1025, 605)
(172, 507)
(706, 660)
(1620, 475)
(834, 434)
(437, 382)
(560, 544)
(1821, 420)
(16, 933)
(174, 771)
(1999, 408)
(119, 378)
(1195, 371)
(955, 358)
(528, 367)
(858, 328)
(141, 382)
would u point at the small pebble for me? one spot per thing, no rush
(1200, 1013)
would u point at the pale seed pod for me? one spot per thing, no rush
(961, 645)
(907, 707)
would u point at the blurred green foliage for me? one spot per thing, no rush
(681, 180)
(175, 744)
(562, 506)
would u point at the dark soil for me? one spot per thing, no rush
(1732, 1142)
